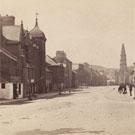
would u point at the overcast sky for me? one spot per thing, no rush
(87, 30)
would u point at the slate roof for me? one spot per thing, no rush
(50, 61)
(12, 32)
(75, 66)
(8, 54)
(36, 32)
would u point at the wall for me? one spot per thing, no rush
(6, 93)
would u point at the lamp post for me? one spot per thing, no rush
(91, 74)
(30, 80)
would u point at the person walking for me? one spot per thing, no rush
(134, 79)
(131, 82)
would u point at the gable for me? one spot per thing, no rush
(50, 61)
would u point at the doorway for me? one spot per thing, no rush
(15, 95)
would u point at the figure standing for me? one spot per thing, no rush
(134, 79)
(131, 82)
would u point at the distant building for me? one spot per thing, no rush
(116, 77)
(74, 79)
(62, 59)
(87, 76)
(56, 75)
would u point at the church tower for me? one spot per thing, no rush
(38, 56)
(123, 72)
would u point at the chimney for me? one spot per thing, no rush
(61, 54)
(8, 20)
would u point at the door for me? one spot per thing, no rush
(15, 91)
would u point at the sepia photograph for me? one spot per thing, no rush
(67, 67)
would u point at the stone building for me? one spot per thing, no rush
(56, 77)
(37, 57)
(22, 59)
(61, 58)
(87, 76)
(10, 51)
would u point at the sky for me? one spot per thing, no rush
(87, 30)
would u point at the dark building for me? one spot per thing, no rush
(37, 56)
(61, 58)
(74, 79)
(87, 76)
(57, 72)
(22, 59)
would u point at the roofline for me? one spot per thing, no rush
(8, 54)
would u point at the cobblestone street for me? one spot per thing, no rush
(89, 111)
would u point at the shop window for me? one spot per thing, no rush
(3, 86)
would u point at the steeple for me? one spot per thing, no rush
(36, 32)
(22, 29)
(22, 35)
(123, 52)
(36, 24)
(123, 65)
(123, 60)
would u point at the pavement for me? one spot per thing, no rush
(37, 96)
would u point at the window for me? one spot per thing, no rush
(3, 85)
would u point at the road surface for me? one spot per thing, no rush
(88, 111)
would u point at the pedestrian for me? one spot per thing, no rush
(134, 80)
(122, 88)
(131, 82)
(60, 88)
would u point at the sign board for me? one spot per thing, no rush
(32, 80)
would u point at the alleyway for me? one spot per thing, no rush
(92, 111)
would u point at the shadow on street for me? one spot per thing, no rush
(60, 131)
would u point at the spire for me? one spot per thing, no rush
(123, 52)
(36, 24)
(123, 65)
(22, 30)
(123, 56)
(22, 34)
(36, 32)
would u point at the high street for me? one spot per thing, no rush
(87, 111)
